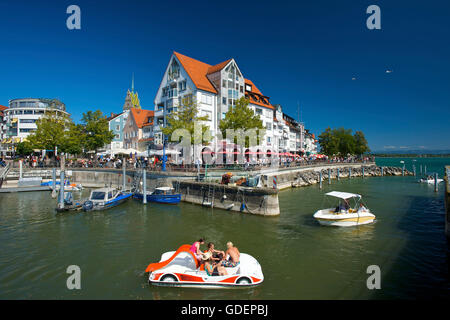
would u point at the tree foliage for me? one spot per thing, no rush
(186, 118)
(24, 148)
(342, 142)
(241, 117)
(95, 130)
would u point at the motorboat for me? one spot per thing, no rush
(180, 268)
(105, 198)
(165, 195)
(70, 204)
(343, 215)
(429, 179)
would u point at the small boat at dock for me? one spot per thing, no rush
(343, 215)
(105, 198)
(166, 195)
(430, 179)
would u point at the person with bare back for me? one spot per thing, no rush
(232, 255)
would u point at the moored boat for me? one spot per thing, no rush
(429, 179)
(165, 195)
(343, 215)
(105, 198)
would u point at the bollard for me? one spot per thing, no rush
(54, 183)
(329, 176)
(144, 187)
(425, 170)
(435, 182)
(414, 169)
(403, 171)
(350, 173)
(320, 179)
(382, 171)
(363, 172)
(337, 174)
(61, 190)
(421, 169)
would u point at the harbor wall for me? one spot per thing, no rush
(260, 201)
(307, 177)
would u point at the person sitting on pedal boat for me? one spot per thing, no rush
(217, 255)
(233, 256)
(195, 249)
(211, 268)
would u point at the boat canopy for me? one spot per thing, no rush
(164, 188)
(343, 195)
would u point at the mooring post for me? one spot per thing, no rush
(350, 172)
(403, 171)
(436, 182)
(54, 183)
(414, 169)
(124, 173)
(363, 172)
(425, 170)
(320, 179)
(421, 169)
(20, 169)
(329, 176)
(61, 190)
(382, 171)
(338, 174)
(144, 187)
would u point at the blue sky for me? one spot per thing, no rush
(294, 51)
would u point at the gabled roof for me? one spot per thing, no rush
(256, 97)
(141, 116)
(218, 67)
(197, 71)
(3, 108)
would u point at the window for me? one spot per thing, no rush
(117, 127)
(224, 100)
(269, 126)
(27, 121)
(224, 83)
(237, 86)
(258, 111)
(182, 86)
(230, 84)
(223, 115)
(242, 89)
(248, 87)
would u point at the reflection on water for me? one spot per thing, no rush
(300, 258)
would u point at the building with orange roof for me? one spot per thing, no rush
(138, 129)
(215, 88)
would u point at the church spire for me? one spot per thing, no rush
(132, 83)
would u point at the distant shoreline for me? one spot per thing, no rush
(393, 155)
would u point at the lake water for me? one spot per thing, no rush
(300, 259)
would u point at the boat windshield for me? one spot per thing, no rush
(162, 191)
(96, 195)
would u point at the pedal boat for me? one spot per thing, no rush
(181, 269)
(105, 198)
(342, 217)
(164, 195)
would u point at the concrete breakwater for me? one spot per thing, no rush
(261, 201)
(301, 178)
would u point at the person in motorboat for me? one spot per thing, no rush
(216, 254)
(195, 249)
(232, 255)
(362, 208)
(212, 268)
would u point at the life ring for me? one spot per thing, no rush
(88, 205)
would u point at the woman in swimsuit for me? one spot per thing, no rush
(195, 249)
(211, 268)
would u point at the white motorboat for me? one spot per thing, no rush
(430, 180)
(343, 215)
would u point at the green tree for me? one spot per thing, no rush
(342, 142)
(73, 139)
(95, 130)
(241, 117)
(24, 148)
(361, 145)
(185, 118)
(50, 132)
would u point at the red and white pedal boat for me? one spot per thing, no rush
(181, 269)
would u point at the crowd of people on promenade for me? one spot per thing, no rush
(154, 163)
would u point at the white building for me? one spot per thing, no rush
(310, 143)
(216, 88)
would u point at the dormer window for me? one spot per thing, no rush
(248, 87)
